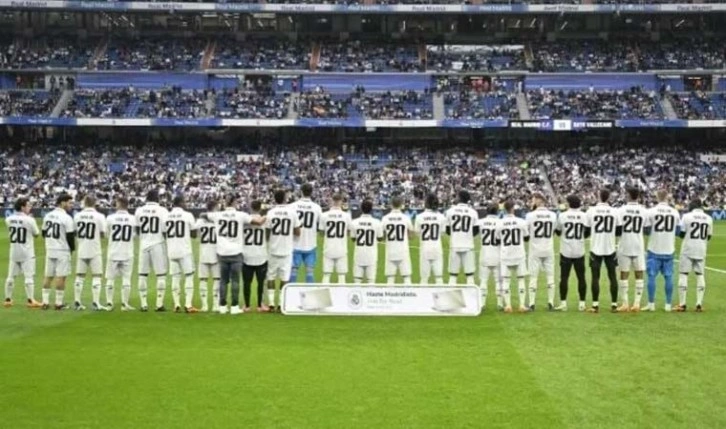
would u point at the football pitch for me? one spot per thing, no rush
(541, 370)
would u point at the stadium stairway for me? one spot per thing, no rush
(315, 56)
(668, 111)
(547, 185)
(208, 54)
(62, 103)
(211, 103)
(438, 106)
(98, 54)
(522, 107)
(528, 56)
(291, 110)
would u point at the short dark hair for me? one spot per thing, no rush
(604, 195)
(89, 201)
(307, 190)
(20, 203)
(633, 193)
(122, 202)
(574, 201)
(366, 206)
(695, 203)
(464, 196)
(62, 198)
(211, 205)
(231, 200)
(279, 196)
(493, 209)
(178, 201)
(152, 195)
(432, 202)
(509, 205)
(396, 202)
(256, 205)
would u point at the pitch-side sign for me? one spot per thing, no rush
(380, 300)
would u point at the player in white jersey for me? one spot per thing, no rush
(512, 234)
(305, 245)
(696, 229)
(283, 224)
(461, 225)
(489, 260)
(429, 225)
(541, 223)
(335, 226)
(631, 250)
(603, 220)
(121, 231)
(664, 220)
(208, 259)
(229, 225)
(365, 232)
(255, 260)
(573, 229)
(397, 228)
(181, 228)
(90, 229)
(60, 242)
(151, 223)
(21, 231)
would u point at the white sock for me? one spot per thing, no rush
(125, 292)
(500, 292)
(143, 291)
(110, 291)
(638, 292)
(596, 303)
(30, 290)
(326, 278)
(439, 280)
(483, 288)
(78, 290)
(59, 294)
(9, 288)
(160, 291)
(341, 279)
(470, 280)
(506, 294)
(700, 288)
(358, 280)
(96, 289)
(175, 292)
(532, 291)
(453, 279)
(188, 290)
(203, 292)
(392, 280)
(46, 296)
(682, 288)
(551, 293)
(624, 292)
(407, 280)
(215, 292)
(271, 296)
(522, 292)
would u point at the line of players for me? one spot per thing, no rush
(273, 246)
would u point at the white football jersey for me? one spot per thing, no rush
(56, 225)
(541, 223)
(489, 231)
(572, 224)
(229, 226)
(121, 230)
(335, 225)
(603, 220)
(633, 219)
(309, 214)
(511, 234)
(151, 221)
(207, 241)
(664, 220)
(396, 226)
(366, 230)
(179, 226)
(21, 231)
(461, 220)
(255, 240)
(282, 221)
(90, 224)
(430, 226)
(698, 227)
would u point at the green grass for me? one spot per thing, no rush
(566, 370)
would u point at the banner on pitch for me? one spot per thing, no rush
(380, 300)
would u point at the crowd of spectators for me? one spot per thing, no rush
(252, 101)
(173, 102)
(160, 54)
(319, 103)
(634, 103)
(261, 55)
(359, 56)
(27, 103)
(393, 104)
(699, 105)
(475, 58)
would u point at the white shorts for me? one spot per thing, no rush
(183, 265)
(402, 266)
(686, 265)
(519, 266)
(537, 264)
(463, 259)
(338, 265)
(153, 257)
(208, 270)
(631, 263)
(26, 268)
(58, 265)
(367, 272)
(490, 270)
(94, 263)
(429, 267)
(116, 269)
(279, 267)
